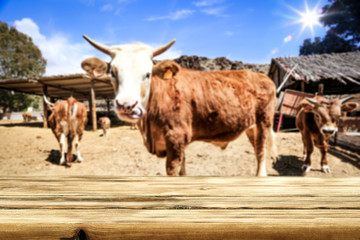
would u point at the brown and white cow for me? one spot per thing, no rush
(105, 124)
(317, 120)
(67, 121)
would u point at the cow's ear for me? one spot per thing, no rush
(166, 69)
(306, 105)
(95, 67)
(349, 107)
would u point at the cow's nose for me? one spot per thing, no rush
(119, 106)
(125, 106)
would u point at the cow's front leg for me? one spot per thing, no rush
(308, 150)
(175, 155)
(324, 163)
(262, 134)
(175, 160)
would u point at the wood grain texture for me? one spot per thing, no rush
(179, 208)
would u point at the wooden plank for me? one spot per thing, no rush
(93, 105)
(344, 141)
(179, 208)
(348, 122)
(291, 101)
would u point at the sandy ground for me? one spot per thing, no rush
(28, 149)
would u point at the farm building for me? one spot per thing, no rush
(80, 86)
(326, 74)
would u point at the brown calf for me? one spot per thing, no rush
(105, 124)
(27, 116)
(317, 120)
(67, 122)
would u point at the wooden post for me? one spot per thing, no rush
(280, 122)
(302, 86)
(108, 106)
(321, 89)
(92, 105)
(45, 110)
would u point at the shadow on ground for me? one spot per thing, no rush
(54, 157)
(345, 156)
(22, 124)
(288, 165)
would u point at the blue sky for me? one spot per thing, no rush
(252, 31)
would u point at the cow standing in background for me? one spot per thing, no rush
(67, 121)
(317, 120)
(105, 124)
(27, 116)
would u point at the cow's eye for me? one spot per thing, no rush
(317, 116)
(146, 76)
(113, 73)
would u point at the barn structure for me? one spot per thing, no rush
(80, 86)
(325, 74)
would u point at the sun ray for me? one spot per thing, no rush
(308, 18)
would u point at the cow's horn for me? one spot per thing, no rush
(99, 46)
(345, 99)
(47, 101)
(311, 100)
(160, 50)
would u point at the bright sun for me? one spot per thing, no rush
(309, 18)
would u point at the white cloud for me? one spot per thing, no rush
(173, 16)
(274, 51)
(169, 55)
(218, 11)
(207, 3)
(62, 56)
(229, 33)
(27, 26)
(106, 8)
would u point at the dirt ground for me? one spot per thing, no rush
(29, 149)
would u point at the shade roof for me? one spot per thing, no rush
(62, 86)
(342, 67)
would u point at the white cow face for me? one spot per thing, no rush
(131, 67)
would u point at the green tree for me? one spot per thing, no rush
(19, 58)
(343, 19)
(331, 43)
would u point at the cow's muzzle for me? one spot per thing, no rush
(329, 130)
(129, 111)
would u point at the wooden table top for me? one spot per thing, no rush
(179, 208)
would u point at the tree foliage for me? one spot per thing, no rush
(331, 43)
(343, 19)
(19, 58)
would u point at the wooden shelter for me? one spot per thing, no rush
(80, 86)
(328, 74)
